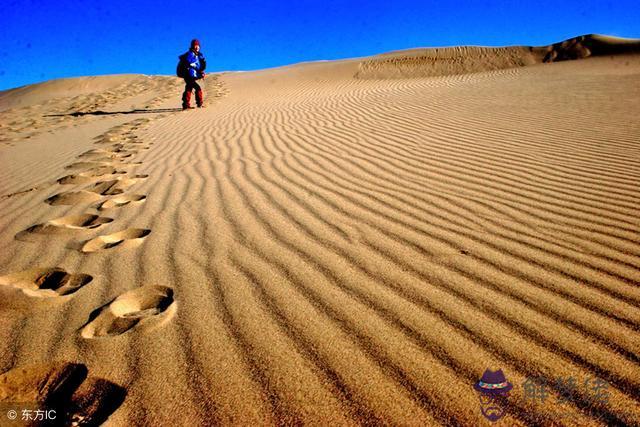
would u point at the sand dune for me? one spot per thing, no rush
(472, 59)
(337, 243)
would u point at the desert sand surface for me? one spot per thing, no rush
(328, 243)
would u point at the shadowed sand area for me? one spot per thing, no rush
(338, 242)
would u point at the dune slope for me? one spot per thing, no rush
(318, 246)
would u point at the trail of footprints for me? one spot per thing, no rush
(103, 176)
(23, 123)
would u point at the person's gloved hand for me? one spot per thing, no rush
(202, 74)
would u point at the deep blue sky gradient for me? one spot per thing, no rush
(42, 40)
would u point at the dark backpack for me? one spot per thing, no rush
(182, 70)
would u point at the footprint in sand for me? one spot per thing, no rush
(125, 153)
(114, 148)
(84, 221)
(93, 192)
(73, 198)
(113, 186)
(46, 282)
(112, 240)
(89, 175)
(96, 152)
(77, 398)
(110, 139)
(107, 160)
(134, 307)
(63, 224)
(105, 156)
(87, 165)
(119, 201)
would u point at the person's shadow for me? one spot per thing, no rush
(108, 113)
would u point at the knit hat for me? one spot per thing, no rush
(194, 42)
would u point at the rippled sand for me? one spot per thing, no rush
(333, 243)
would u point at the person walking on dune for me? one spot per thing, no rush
(191, 68)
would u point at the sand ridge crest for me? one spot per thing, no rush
(446, 61)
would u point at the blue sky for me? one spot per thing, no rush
(42, 40)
